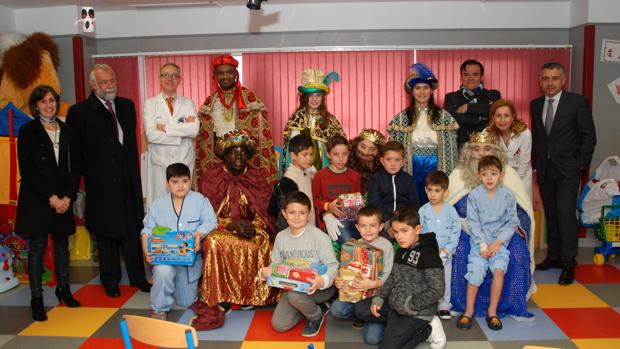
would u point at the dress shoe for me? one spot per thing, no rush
(112, 291)
(567, 276)
(547, 264)
(38, 311)
(144, 286)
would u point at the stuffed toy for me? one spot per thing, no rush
(27, 63)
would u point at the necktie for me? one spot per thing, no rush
(114, 119)
(170, 107)
(549, 116)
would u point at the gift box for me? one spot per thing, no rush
(351, 204)
(358, 258)
(295, 274)
(171, 247)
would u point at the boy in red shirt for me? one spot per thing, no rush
(328, 184)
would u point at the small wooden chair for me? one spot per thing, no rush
(157, 332)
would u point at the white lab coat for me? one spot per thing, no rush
(174, 145)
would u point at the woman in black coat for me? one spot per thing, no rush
(49, 184)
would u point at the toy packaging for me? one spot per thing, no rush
(171, 247)
(358, 258)
(351, 204)
(295, 274)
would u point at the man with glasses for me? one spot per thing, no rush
(170, 125)
(104, 130)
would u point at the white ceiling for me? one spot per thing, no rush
(121, 4)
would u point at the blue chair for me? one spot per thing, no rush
(157, 333)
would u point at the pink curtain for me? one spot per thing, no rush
(128, 78)
(514, 72)
(196, 72)
(368, 95)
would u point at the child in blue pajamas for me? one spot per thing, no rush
(438, 217)
(181, 209)
(492, 220)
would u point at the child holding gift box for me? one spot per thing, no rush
(408, 298)
(181, 209)
(369, 225)
(328, 184)
(390, 187)
(302, 241)
(443, 220)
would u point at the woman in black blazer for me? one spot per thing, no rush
(49, 184)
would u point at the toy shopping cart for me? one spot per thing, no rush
(609, 232)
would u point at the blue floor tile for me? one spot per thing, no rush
(541, 328)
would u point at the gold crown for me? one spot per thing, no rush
(483, 137)
(236, 138)
(373, 135)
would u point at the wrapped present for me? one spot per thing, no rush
(351, 204)
(295, 274)
(171, 247)
(359, 258)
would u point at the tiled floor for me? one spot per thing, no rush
(584, 315)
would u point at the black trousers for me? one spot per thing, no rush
(400, 331)
(110, 250)
(559, 196)
(35, 261)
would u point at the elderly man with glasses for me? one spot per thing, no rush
(170, 125)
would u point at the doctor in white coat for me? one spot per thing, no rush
(170, 125)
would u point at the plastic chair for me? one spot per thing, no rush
(157, 332)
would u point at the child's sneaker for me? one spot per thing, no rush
(437, 338)
(445, 314)
(313, 327)
(159, 315)
(358, 324)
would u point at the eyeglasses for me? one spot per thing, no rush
(170, 76)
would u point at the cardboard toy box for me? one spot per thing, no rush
(295, 274)
(172, 247)
(358, 258)
(351, 204)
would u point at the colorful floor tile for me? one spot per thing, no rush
(597, 343)
(571, 296)
(585, 315)
(587, 322)
(70, 322)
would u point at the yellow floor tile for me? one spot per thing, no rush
(597, 343)
(70, 322)
(571, 296)
(281, 345)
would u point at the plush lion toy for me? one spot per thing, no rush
(29, 62)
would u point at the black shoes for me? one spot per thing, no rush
(143, 286)
(64, 296)
(112, 291)
(38, 311)
(547, 264)
(567, 277)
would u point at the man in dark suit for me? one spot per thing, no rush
(563, 140)
(105, 129)
(470, 104)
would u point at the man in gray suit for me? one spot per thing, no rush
(563, 140)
